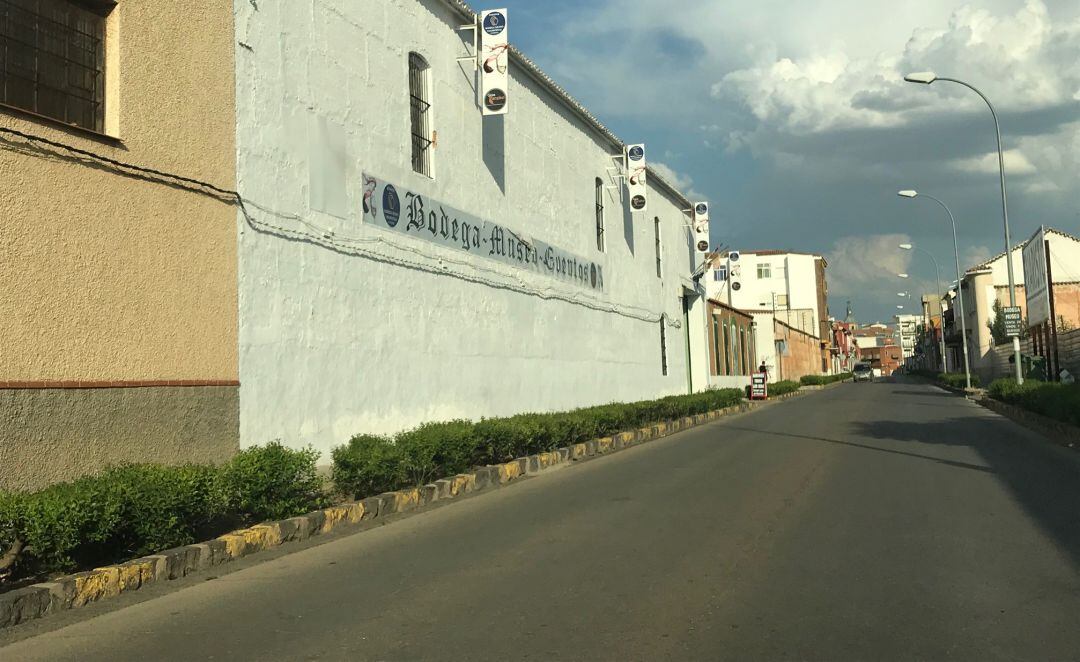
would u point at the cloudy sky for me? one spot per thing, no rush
(793, 119)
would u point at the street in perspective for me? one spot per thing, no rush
(415, 330)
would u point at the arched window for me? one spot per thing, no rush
(420, 113)
(599, 214)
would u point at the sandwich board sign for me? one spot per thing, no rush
(759, 386)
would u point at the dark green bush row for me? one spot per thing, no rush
(821, 380)
(1051, 399)
(134, 510)
(956, 379)
(370, 465)
(784, 387)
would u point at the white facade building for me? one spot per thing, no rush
(907, 327)
(770, 285)
(351, 323)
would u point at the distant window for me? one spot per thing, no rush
(52, 61)
(420, 113)
(599, 214)
(764, 270)
(720, 274)
(663, 345)
(656, 225)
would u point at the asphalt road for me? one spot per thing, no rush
(867, 522)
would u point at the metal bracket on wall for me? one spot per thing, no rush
(473, 57)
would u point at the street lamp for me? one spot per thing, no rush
(928, 77)
(959, 295)
(908, 247)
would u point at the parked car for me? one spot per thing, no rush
(863, 373)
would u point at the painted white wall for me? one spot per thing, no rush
(337, 337)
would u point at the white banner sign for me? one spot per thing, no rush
(636, 187)
(397, 209)
(701, 226)
(493, 57)
(1036, 286)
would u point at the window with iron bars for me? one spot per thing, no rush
(52, 59)
(663, 345)
(659, 264)
(599, 214)
(420, 114)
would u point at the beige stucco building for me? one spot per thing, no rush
(118, 308)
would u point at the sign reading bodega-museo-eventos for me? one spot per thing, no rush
(405, 212)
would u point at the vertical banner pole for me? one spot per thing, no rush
(1053, 314)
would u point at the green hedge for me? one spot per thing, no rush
(134, 510)
(1058, 401)
(784, 387)
(956, 379)
(822, 380)
(370, 465)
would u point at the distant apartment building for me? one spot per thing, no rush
(119, 260)
(907, 330)
(776, 286)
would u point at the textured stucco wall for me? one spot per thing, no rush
(110, 278)
(333, 344)
(50, 435)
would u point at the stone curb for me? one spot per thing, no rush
(1056, 431)
(80, 589)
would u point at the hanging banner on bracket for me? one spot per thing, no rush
(701, 226)
(636, 187)
(493, 60)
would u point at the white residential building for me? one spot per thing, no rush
(907, 328)
(405, 259)
(770, 284)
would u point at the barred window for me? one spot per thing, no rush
(659, 264)
(420, 113)
(663, 345)
(599, 214)
(52, 59)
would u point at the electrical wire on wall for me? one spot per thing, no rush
(330, 240)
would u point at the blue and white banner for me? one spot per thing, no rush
(399, 210)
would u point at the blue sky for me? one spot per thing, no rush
(791, 118)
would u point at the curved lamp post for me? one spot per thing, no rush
(959, 294)
(928, 77)
(909, 247)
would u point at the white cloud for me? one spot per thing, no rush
(868, 265)
(681, 182)
(1015, 163)
(973, 255)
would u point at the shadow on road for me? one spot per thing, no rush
(1044, 479)
(951, 463)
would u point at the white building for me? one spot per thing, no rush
(386, 280)
(907, 327)
(790, 287)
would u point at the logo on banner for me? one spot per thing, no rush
(703, 246)
(495, 100)
(638, 202)
(636, 153)
(391, 204)
(494, 23)
(702, 209)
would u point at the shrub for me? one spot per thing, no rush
(368, 464)
(436, 450)
(784, 387)
(273, 482)
(956, 379)
(1058, 401)
(821, 380)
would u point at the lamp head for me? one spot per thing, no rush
(907, 193)
(903, 275)
(924, 77)
(901, 294)
(906, 247)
